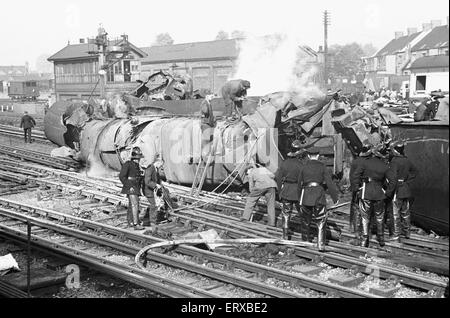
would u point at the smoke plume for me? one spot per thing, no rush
(276, 63)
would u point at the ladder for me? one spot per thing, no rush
(202, 169)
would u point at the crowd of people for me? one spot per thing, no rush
(380, 180)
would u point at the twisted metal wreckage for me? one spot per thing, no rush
(106, 131)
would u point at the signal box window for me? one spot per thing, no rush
(421, 82)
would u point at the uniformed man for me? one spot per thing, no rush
(261, 183)
(355, 217)
(405, 173)
(27, 123)
(371, 174)
(130, 176)
(233, 93)
(151, 183)
(287, 183)
(312, 178)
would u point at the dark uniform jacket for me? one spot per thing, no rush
(315, 171)
(358, 161)
(151, 179)
(130, 176)
(372, 173)
(27, 122)
(405, 173)
(287, 179)
(232, 90)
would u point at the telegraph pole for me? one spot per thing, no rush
(326, 23)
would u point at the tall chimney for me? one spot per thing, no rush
(435, 23)
(411, 30)
(426, 26)
(398, 34)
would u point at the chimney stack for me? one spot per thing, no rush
(426, 26)
(435, 23)
(398, 34)
(411, 30)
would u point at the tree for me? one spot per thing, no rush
(369, 49)
(222, 35)
(237, 34)
(345, 60)
(163, 39)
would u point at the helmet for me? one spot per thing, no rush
(313, 151)
(366, 150)
(136, 153)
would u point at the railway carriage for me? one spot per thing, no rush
(23, 90)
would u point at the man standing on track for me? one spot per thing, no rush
(355, 217)
(372, 174)
(130, 176)
(151, 182)
(312, 178)
(405, 173)
(287, 176)
(261, 183)
(27, 123)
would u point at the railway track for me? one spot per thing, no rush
(343, 257)
(11, 131)
(335, 257)
(72, 228)
(40, 157)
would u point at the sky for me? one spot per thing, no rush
(31, 28)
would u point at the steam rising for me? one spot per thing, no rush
(95, 168)
(275, 63)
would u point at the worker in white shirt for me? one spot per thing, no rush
(261, 183)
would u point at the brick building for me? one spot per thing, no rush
(76, 69)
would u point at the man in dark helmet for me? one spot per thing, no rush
(313, 178)
(405, 173)
(355, 218)
(372, 174)
(130, 176)
(286, 177)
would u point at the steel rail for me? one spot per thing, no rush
(332, 258)
(133, 275)
(414, 241)
(38, 157)
(171, 261)
(301, 280)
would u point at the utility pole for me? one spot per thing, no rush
(326, 23)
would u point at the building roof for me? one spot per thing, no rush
(397, 45)
(12, 70)
(73, 51)
(81, 51)
(430, 62)
(437, 38)
(27, 77)
(222, 49)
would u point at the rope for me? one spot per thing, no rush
(236, 169)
